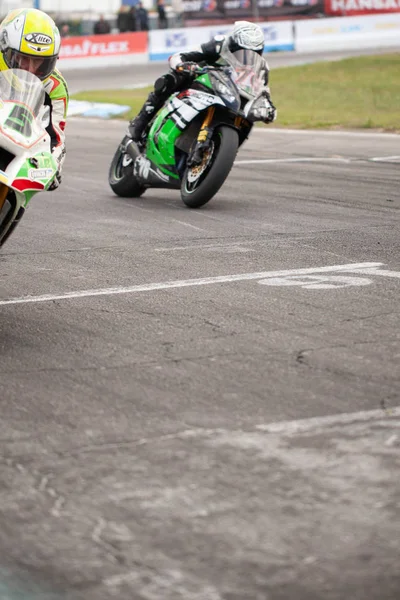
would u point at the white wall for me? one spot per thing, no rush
(69, 6)
(95, 6)
(6, 5)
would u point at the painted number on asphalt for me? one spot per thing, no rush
(315, 281)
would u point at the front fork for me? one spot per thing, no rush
(3, 194)
(203, 139)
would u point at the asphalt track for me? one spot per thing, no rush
(204, 405)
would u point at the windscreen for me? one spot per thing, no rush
(248, 71)
(17, 85)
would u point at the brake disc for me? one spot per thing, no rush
(195, 172)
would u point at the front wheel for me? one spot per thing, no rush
(202, 182)
(120, 177)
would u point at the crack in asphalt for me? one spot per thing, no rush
(300, 356)
(163, 360)
(367, 317)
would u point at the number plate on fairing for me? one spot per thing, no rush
(142, 167)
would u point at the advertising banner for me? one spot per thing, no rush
(243, 9)
(103, 45)
(164, 42)
(361, 7)
(347, 33)
(82, 51)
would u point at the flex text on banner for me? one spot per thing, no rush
(83, 51)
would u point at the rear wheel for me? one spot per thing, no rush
(202, 182)
(120, 177)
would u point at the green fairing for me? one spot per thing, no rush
(163, 152)
(205, 80)
(44, 161)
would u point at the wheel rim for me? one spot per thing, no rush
(121, 165)
(197, 174)
(122, 161)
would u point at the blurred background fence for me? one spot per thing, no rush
(81, 17)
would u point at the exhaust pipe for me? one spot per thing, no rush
(132, 149)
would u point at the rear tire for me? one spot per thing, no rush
(226, 143)
(121, 178)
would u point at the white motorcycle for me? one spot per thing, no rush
(26, 163)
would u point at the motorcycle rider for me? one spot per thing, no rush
(245, 35)
(30, 40)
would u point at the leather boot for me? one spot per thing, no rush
(138, 125)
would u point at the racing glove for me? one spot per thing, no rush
(55, 183)
(270, 110)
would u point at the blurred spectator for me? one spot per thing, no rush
(162, 15)
(126, 19)
(142, 17)
(122, 19)
(101, 26)
(178, 8)
(221, 7)
(64, 30)
(131, 19)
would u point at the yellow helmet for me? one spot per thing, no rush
(30, 40)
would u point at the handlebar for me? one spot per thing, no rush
(197, 70)
(208, 68)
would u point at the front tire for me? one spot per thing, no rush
(121, 178)
(225, 143)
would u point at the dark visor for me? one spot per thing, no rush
(43, 66)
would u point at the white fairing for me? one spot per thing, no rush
(23, 118)
(182, 112)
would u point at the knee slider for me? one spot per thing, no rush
(160, 85)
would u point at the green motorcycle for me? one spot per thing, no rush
(26, 163)
(191, 144)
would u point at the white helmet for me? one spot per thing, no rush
(248, 36)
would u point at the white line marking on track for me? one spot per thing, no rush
(188, 224)
(392, 441)
(384, 158)
(325, 132)
(360, 268)
(330, 420)
(323, 159)
(278, 427)
(137, 86)
(228, 248)
(303, 159)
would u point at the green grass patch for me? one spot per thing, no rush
(354, 93)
